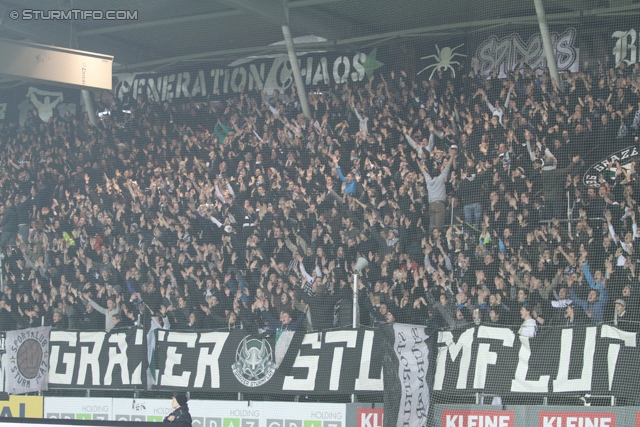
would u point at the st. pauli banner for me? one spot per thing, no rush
(268, 74)
(98, 359)
(599, 360)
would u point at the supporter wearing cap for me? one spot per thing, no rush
(621, 307)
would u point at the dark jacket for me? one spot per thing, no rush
(470, 190)
(322, 306)
(10, 220)
(182, 417)
(277, 325)
(91, 321)
(553, 182)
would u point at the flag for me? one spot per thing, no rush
(27, 353)
(283, 341)
(151, 352)
(405, 366)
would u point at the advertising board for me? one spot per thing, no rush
(22, 407)
(73, 408)
(370, 417)
(576, 419)
(479, 418)
(204, 413)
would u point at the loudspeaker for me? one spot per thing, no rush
(361, 264)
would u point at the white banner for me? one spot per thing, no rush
(27, 353)
(406, 362)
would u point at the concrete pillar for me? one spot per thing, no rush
(546, 42)
(302, 94)
(88, 105)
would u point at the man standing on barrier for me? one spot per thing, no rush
(180, 415)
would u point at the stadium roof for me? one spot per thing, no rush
(168, 32)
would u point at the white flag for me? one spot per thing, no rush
(28, 357)
(405, 366)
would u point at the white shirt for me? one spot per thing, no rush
(529, 328)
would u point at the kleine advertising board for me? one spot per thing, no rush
(370, 417)
(577, 419)
(479, 418)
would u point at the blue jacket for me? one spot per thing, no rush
(591, 281)
(596, 309)
(351, 186)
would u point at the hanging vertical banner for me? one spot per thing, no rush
(28, 357)
(406, 361)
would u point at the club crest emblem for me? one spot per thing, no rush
(254, 362)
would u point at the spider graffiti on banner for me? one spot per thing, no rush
(444, 60)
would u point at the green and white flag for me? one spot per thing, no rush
(152, 373)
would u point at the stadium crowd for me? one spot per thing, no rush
(241, 212)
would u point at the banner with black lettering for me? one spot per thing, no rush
(27, 354)
(98, 359)
(339, 361)
(598, 360)
(406, 361)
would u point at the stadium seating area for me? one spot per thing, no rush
(466, 195)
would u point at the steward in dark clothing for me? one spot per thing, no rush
(180, 415)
